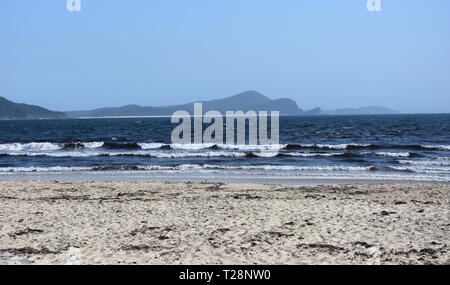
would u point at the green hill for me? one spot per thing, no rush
(15, 111)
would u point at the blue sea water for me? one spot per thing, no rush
(401, 147)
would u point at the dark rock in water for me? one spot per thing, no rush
(70, 146)
(215, 147)
(293, 146)
(110, 145)
(250, 154)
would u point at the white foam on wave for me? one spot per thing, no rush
(245, 147)
(191, 146)
(198, 167)
(389, 154)
(305, 172)
(328, 172)
(34, 146)
(265, 154)
(91, 145)
(151, 145)
(296, 168)
(50, 146)
(441, 161)
(334, 146)
(61, 154)
(43, 169)
(174, 154)
(269, 147)
(156, 154)
(437, 147)
(271, 167)
(186, 154)
(41, 146)
(313, 154)
(423, 169)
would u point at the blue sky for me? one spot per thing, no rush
(323, 53)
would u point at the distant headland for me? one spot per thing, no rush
(15, 111)
(245, 101)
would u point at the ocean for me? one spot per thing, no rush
(383, 147)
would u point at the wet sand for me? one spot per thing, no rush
(49, 222)
(200, 177)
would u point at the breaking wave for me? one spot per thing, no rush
(366, 146)
(51, 146)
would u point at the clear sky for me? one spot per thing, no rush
(324, 53)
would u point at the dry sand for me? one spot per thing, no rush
(199, 223)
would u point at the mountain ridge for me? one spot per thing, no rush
(245, 101)
(10, 110)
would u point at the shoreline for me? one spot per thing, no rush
(208, 177)
(50, 222)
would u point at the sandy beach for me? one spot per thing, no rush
(50, 222)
